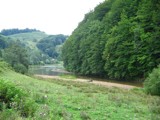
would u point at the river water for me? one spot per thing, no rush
(53, 70)
(58, 69)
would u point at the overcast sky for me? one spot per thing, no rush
(50, 16)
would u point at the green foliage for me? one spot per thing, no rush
(17, 57)
(7, 32)
(29, 41)
(9, 114)
(48, 44)
(119, 40)
(20, 68)
(3, 42)
(9, 93)
(29, 38)
(14, 98)
(4, 66)
(152, 83)
(37, 57)
(82, 52)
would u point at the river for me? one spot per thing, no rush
(53, 70)
(58, 69)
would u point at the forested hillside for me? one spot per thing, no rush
(51, 45)
(119, 39)
(29, 40)
(41, 48)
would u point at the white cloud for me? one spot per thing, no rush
(50, 16)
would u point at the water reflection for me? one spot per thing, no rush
(48, 70)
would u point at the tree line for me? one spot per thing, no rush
(119, 39)
(13, 31)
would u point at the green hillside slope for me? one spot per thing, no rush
(30, 39)
(42, 48)
(29, 36)
(58, 99)
(52, 45)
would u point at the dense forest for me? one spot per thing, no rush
(7, 32)
(119, 39)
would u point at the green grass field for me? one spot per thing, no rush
(29, 39)
(29, 36)
(71, 100)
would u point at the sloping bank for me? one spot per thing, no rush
(61, 99)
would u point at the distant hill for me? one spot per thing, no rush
(29, 36)
(29, 39)
(51, 45)
(7, 32)
(42, 48)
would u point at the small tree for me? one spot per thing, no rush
(152, 83)
(17, 57)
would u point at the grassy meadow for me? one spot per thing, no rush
(31, 36)
(71, 100)
(29, 39)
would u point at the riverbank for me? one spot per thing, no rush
(56, 70)
(106, 84)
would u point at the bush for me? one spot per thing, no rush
(4, 66)
(152, 83)
(20, 68)
(9, 114)
(12, 97)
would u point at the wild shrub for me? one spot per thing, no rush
(15, 98)
(20, 68)
(3, 66)
(16, 56)
(152, 83)
(9, 114)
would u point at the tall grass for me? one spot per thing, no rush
(15, 100)
(71, 100)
